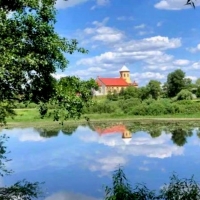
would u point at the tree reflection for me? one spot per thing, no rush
(66, 130)
(22, 189)
(49, 133)
(179, 130)
(155, 133)
(179, 136)
(69, 130)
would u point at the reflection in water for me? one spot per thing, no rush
(66, 130)
(83, 162)
(119, 128)
(69, 196)
(179, 136)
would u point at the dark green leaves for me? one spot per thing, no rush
(71, 96)
(30, 49)
(176, 189)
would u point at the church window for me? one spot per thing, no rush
(124, 75)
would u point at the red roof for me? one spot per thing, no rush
(112, 81)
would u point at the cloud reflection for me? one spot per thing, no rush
(140, 145)
(69, 196)
(25, 134)
(107, 164)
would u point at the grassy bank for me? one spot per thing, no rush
(31, 118)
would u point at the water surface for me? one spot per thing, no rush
(75, 163)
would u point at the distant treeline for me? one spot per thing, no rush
(177, 96)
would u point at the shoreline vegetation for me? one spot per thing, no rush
(30, 117)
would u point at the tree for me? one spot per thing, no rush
(129, 92)
(198, 92)
(188, 84)
(31, 51)
(143, 93)
(154, 89)
(197, 82)
(175, 82)
(71, 96)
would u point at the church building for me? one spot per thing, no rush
(115, 84)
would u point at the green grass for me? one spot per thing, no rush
(31, 118)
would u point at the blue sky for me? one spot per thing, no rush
(152, 38)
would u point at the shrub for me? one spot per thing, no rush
(20, 105)
(184, 95)
(139, 110)
(31, 105)
(148, 101)
(156, 108)
(198, 92)
(126, 105)
(102, 107)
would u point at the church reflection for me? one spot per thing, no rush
(114, 129)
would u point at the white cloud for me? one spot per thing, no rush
(117, 59)
(173, 4)
(148, 75)
(193, 78)
(61, 4)
(103, 2)
(141, 33)
(124, 18)
(194, 49)
(58, 75)
(181, 62)
(100, 3)
(141, 26)
(195, 66)
(151, 43)
(149, 52)
(69, 196)
(102, 33)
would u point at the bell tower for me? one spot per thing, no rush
(125, 74)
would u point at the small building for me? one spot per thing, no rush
(107, 85)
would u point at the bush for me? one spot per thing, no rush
(102, 107)
(148, 101)
(32, 105)
(184, 95)
(156, 108)
(139, 110)
(126, 105)
(20, 105)
(198, 92)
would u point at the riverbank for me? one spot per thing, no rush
(31, 118)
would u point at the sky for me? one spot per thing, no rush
(151, 37)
